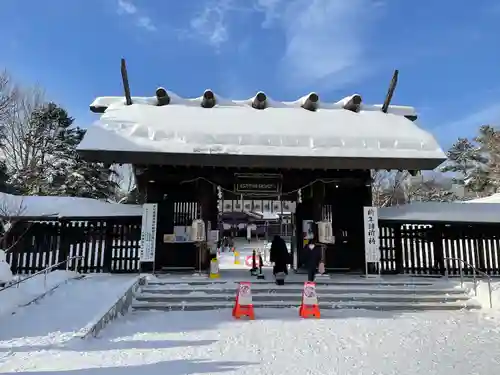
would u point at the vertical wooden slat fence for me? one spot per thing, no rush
(107, 244)
(422, 248)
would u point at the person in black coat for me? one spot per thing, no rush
(312, 255)
(279, 255)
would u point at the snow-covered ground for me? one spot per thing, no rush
(483, 295)
(57, 317)
(244, 249)
(14, 297)
(277, 342)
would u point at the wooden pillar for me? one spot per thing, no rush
(207, 198)
(318, 198)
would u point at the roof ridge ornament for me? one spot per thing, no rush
(353, 103)
(162, 97)
(208, 100)
(311, 102)
(260, 101)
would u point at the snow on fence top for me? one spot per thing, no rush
(186, 126)
(428, 212)
(495, 198)
(34, 206)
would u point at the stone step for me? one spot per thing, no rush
(295, 297)
(266, 289)
(320, 282)
(380, 306)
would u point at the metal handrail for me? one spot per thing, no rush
(474, 278)
(45, 271)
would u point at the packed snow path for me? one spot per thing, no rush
(278, 342)
(56, 318)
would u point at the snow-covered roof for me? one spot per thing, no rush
(442, 212)
(34, 206)
(233, 127)
(495, 198)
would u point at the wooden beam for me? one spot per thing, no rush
(126, 86)
(390, 92)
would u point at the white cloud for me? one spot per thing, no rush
(146, 23)
(126, 7)
(210, 25)
(325, 39)
(487, 115)
(270, 9)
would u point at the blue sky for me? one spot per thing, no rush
(446, 52)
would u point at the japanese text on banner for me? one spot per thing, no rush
(372, 246)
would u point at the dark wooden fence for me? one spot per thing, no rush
(107, 244)
(112, 245)
(422, 248)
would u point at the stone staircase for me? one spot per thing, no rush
(368, 294)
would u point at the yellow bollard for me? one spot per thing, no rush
(214, 268)
(236, 257)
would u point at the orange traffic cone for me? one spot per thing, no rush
(243, 305)
(309, 306)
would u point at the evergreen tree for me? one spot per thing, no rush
(4, 178)
(55, 167)
(488, 177)
(467, 162)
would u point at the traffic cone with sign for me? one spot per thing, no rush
(309, 306)
(243, 305)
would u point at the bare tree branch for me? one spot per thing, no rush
(389, 187)
(8, 95)
(11, 209)
(125, 179)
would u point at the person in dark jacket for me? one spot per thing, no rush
(279, 255)
(312, 255)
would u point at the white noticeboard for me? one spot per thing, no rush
(372, 241)
(148, 232)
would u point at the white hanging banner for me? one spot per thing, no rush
(148, 232)
(372, 241)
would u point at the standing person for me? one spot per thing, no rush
(249, 233)
(280, 257)
(312, 259)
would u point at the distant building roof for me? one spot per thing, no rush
(428, 212)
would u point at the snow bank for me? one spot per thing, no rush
(34, 206)
(495, 198)
(5, 271)
(29, 290)
(234, 127)
(117, 303)
(483, 293)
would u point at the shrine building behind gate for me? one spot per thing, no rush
(189, 153)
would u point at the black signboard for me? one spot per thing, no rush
(258, 184)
